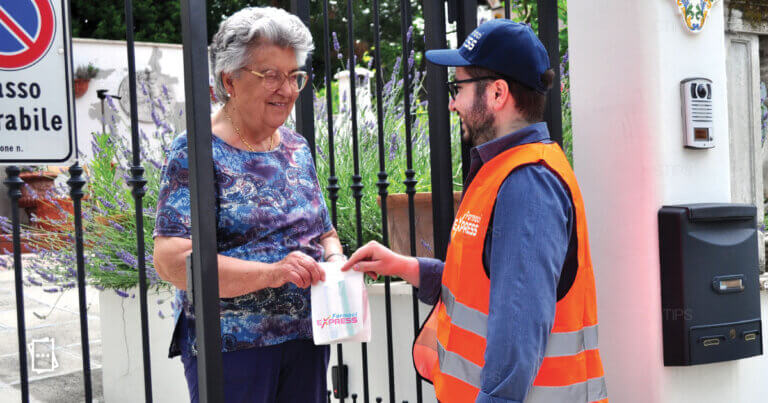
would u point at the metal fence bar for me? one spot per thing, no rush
(137, 181)
(357, 184)
(549, 35)
(410, 181)
(76, 183)
(439, 126)
(305, 117)
(507, 11)
(204, 285)
(333, 181)
(14, 184)
(383, 184)
(466, 22)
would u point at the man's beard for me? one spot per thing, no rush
(479, 122)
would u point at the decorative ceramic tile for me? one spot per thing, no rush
(695, 13)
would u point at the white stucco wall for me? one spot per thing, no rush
(627, 61)
(165, 61)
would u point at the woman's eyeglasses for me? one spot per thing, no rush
(273, 79)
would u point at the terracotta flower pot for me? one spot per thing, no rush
(54, 215)
(29, 240)
(81, 87)
(397, 221)
(36, 186)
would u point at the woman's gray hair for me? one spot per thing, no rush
(249, 28)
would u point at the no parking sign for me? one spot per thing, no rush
(36, 106)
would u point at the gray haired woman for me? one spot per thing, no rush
(272, 222)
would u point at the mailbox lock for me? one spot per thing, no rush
(728, 284)
(750, 335)
(709, 341)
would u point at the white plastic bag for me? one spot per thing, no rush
(340, 310)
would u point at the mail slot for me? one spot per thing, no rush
(710, 291)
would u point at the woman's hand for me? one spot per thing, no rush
(297, 268)
(336, 257)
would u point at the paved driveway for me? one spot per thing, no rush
(52, 319)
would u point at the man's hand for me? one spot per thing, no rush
(297, 268)
(376, 260)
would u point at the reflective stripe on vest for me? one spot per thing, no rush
(594, 390)
(458, 367)
(463, 316)
(558, 344)
(571, 343)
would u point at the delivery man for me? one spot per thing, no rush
(515, 317)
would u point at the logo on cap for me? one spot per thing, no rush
(472, 39)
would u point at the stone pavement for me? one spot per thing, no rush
(51, 316)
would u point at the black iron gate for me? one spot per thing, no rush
(203, 281)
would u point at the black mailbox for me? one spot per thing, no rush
(710, 292)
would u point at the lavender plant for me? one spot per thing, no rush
(368, 151)
(565, 106)
(109, 221)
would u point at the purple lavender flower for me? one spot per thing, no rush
(122, 294)
(46, 276)
(108, 267)
(336, 45)
(155, 118)
(396, 68)
(111, 104)
(126, 257)
(95, 148)
(106, 203)
(51, 289)
(160, 314)
(393, 146)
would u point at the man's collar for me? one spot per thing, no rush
(534, 133)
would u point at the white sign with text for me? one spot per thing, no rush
(36, 105)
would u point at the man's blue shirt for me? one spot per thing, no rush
(525, 249)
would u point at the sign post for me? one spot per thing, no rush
(36, 104)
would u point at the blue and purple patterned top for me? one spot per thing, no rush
(268, 205)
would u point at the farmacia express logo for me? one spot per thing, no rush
(337, 319)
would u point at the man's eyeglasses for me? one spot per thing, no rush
(453, 86)
(273, 79)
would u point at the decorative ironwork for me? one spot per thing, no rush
(14, 183)
(383, 184)
(357, 180)
(137, 181)
(76, 183)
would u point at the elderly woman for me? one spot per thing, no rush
(272, 222)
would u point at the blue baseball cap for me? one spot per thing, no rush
(506, 47)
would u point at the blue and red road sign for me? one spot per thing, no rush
(27, 28)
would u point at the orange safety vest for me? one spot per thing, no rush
(450, 348)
